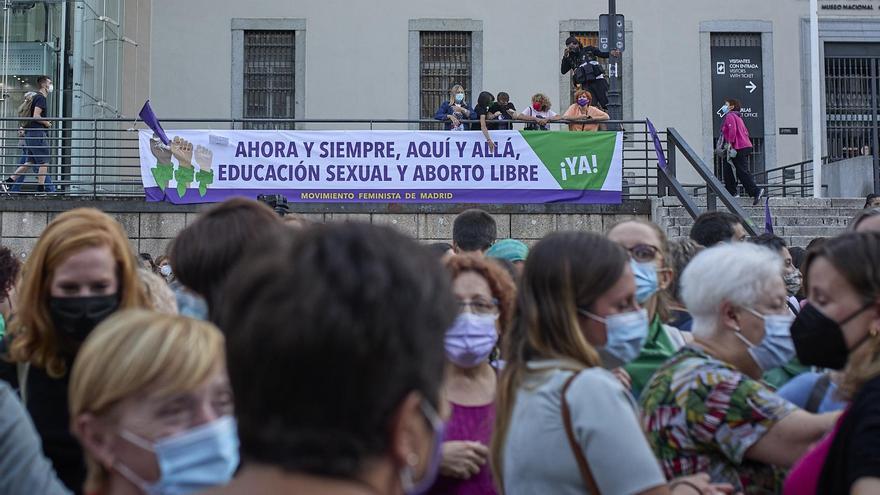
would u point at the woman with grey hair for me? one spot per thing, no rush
(705, 409)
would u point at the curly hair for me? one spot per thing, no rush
(499, 281)
(10, 267)
(543, 100)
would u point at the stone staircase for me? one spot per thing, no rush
(797, 220)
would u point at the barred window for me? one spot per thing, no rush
(269, 77)
(444, 61)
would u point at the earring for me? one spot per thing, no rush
(407, 480)
(874, 332)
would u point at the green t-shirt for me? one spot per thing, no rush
(657, 349)
(778, 377)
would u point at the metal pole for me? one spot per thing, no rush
(614, 100)
(816, 99)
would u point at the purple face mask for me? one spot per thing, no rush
(583, 102)
(411, 487)
(471, 339)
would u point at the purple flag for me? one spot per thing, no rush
(768, 218)
(151, 120)
(658, 146)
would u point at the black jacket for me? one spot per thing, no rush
(585, 54)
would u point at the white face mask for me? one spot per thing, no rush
(165, 270)
(51, 88)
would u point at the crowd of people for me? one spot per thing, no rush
(488, 113)
(264, 356)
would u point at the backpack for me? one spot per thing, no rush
(26, 108)
(588, 71)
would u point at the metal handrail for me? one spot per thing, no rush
(676, 143)
(801, 164)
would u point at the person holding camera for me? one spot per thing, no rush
(586, 72)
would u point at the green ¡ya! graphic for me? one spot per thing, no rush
(577, 160)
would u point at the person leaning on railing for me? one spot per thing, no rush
(455, 109)
(584, 113)
(539, 113)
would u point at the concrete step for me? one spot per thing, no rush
(809, 221)
(778, 211)
(850, 203)
(807, 231)
(796, 220)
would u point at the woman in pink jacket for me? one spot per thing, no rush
(735, 133)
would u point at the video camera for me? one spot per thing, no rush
(275, 201)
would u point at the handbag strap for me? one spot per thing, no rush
(583, 466)
(817, 394)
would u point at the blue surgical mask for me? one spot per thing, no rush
(777, 347)
(625, 333)
(193, 461)
(471, 339)
(412, 487)
(459, 97)
(646, 280)
(724, 109)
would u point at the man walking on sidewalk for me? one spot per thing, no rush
(35, 135)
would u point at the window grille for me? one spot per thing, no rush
(269, 77)
(445, 59)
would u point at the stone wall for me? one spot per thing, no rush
(151, 226)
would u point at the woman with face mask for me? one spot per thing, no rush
(780, 376)
(706, 408)
(564, 425)
(839, 329)
(81, 270)
(648, 254)
(582, 115)
(151, 404)
(738, 148)
(454, 110)
(538, 113)
(485, 296)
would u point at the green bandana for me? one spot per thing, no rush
(184, 177)
(205, 178)
(163, 173)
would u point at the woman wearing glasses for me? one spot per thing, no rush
(648, 252)
(485, 296)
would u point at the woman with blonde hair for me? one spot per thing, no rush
(582, 115)
(455, 109)
(151, 404)
(565, 425)
(81, 270)
(840, 329)
(538, 113)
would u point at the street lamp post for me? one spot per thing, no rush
(614, 98)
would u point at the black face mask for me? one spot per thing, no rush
(819, 340)
(76, 317)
